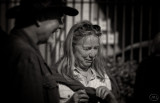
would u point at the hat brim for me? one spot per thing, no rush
(14, 11)
(70, 11)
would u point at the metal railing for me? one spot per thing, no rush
(128, 27)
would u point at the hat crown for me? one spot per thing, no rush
(42, 4)
(33, 7)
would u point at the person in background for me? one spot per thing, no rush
(82, 62)
(3, 35)
(147, 87)
(3, 42)
(27, 77)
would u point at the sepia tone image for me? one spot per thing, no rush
(80, 51)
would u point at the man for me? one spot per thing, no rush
(27, 78)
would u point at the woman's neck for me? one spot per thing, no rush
(87, 74)
(83, 71)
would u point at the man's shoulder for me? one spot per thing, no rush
(18, 43)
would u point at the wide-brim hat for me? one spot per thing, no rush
(33, 7)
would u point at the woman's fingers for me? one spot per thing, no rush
(105, 94)
(98, 92)
(81, 91)
(83, 97)
(83, 101)
(102, 92)
(80, 96)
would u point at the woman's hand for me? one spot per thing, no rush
(79, 97)
(102, 92)
(105, 94)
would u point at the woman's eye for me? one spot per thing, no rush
(87, 48)
(96, 47)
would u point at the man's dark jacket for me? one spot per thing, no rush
(26, 74)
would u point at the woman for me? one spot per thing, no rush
(82, 61)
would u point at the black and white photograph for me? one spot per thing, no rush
(80, 51)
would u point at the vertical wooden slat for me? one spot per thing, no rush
(98, 14)
(46, 53)
(65, 29)
(107, 32)
(141, 30)
(81, 10)
(149, 30)
(6, 20)
(90, 9)
(1, 9)
(123, 32)
(115, 29)
(57, 46)
(73, 18)
(60, 38)
(53, 53)
(2, 13)
(41, 48)
(132, 31)
(60, 43)
(11, 21)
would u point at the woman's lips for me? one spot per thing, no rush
(89, 61)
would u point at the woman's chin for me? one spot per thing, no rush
(88, 65)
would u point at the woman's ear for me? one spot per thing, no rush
(38, 23)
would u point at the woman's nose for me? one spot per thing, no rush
(92, 54)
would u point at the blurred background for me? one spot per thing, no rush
(128, 28)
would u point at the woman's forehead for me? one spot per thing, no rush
(88, 40)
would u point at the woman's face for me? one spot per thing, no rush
(85, 51)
